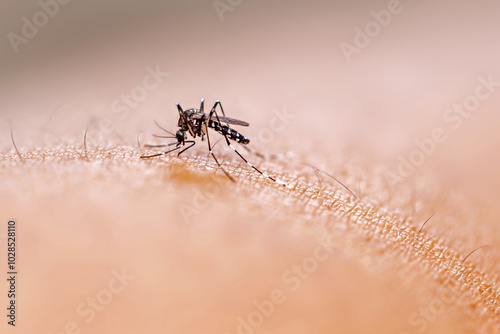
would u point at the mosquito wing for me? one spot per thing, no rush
(229, 120)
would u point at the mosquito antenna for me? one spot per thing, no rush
(474, 251)
(13, 141)
(421, 228)
(168, 137)
(161, 127)
(343, 185)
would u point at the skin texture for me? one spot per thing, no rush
(202, 249)
(197, 253)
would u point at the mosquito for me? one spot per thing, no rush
(195, 122)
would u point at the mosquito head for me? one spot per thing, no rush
(180, 135)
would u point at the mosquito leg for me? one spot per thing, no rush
(263, 156)
(257, 154)
(163, 153)
(213, 146)
(179, 108)
(213, 156)
(202, 105)
(191, 142)
(212, 112)
(165, 145)
(217, 103)
(278, 181)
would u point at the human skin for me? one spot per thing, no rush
(202, 250)
(199, 251)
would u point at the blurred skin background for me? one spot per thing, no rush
(354, 88)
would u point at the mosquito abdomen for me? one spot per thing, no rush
(230, 133)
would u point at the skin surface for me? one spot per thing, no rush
(196, 253)
(202, 250)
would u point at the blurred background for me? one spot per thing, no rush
(332, 81)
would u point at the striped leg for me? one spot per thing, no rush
(160, 154)
(213, 155)
(212, 112)
(190, 142)
(263, 156)
(217, 103)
